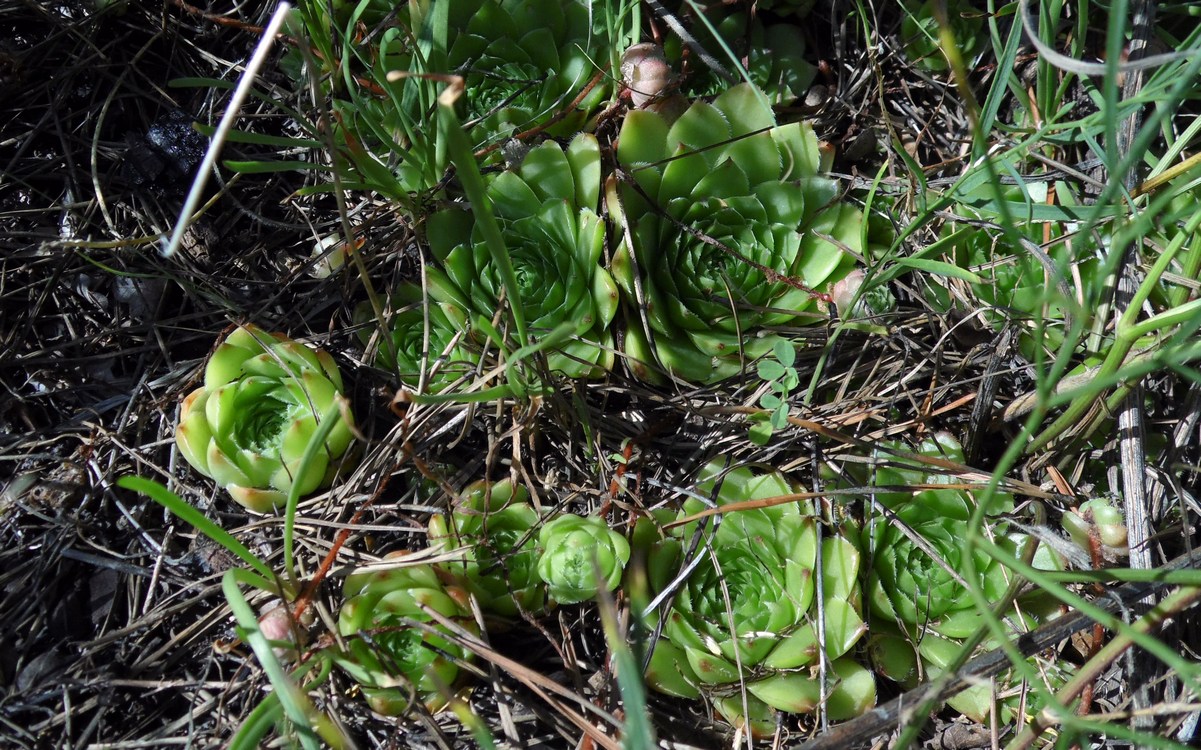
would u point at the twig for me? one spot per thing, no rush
(1132, 446)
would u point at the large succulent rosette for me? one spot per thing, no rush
(395, 649)
(526, 61)
(920, 605)
(746, 614)
(721, 195)
(547, 214)
(424, 339)
(496, 528)
(248, 426)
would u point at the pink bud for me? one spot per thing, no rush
(644, 69)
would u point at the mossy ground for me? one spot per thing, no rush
(114, 626)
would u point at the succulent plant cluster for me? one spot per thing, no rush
(496, 548)
(720, 228)
(731, 227)
(248, 426)
(525, 64)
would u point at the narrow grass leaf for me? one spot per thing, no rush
(203, 524)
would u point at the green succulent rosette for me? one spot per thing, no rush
(397, 662)
(1049, 274)
(726, 203)
(526, 61)
(444, 355)
(920, 605)
(580, 557)
(495, 525)
(774, 54)
(920, 585)
(248, 426)
(1099, 524)
(547, 215)
(1017, 287)
(746, 614)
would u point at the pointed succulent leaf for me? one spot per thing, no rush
(670, 673)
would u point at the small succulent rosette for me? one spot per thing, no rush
(1044, 275)
(1098, 528)
(496, 528)
(395, 649)
(726, 209)
(262, 401)
(1038, 291)
(546, 210)
(427, 345)
(746, 615)
(580, 557)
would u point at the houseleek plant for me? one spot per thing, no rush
(774, 53)
(731, 227)
(922, 611)
(495, 526)
(395, 649)
(580, 557)
(547, 213)
(746, 616)
(526, 62)
(424, 341)
(247, 427)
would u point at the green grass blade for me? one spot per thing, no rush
(639, 734)
(450, 130)
(311, 725)
(328, 420)
(203, 524)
